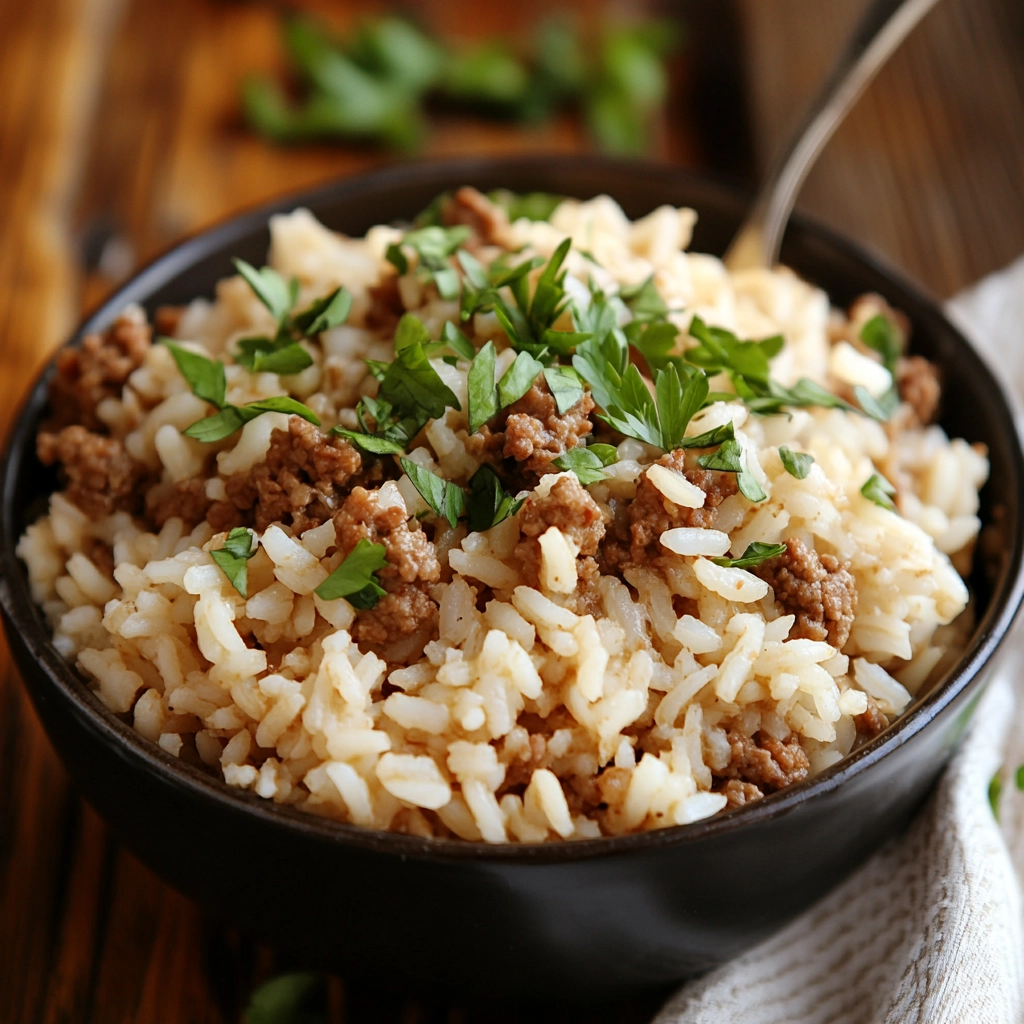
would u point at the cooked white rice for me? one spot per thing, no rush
(272, 692)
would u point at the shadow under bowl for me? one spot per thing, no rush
(582, 918)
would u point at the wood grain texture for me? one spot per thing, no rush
(927, 168)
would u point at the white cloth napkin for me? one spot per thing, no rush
(929, 930)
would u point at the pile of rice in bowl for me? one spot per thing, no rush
(505, 529)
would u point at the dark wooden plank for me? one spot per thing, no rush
(926, 169)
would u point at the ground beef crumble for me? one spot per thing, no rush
(185, 499)
(101, 476)
(764, 762)
(740, 793)
(297, 483)
(532, 431)
(569, 507)
(818, 589)
(412, 566)
(872, 721)
(487, 221)
(917, 380)
(95, 370)
(650, 514)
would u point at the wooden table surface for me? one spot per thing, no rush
(120, 132)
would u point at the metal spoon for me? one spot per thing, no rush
(885, 25)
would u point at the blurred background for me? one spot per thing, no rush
(127, 124)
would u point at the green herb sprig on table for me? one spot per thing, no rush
(373, 84)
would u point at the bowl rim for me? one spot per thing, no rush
(139, 753)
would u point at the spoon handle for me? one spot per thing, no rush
(885, 24)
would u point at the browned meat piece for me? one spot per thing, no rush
(818, 589)
(102, 477)
(488, 222)
(919, 387)
(520, 769)
(764, 761)
(532, 431)
(569, 507)
(740, 793)
(412, 564)
(297, 484)
(872, 721)
(97, 369)
(404, 610)
(167, 318)
(100, 554)
(411, 556)
(651, 513)
(386, 307)
(187, 500)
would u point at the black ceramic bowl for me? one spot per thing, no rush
(589, 917)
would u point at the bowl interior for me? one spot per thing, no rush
(974, 407)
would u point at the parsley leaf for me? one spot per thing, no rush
(710, 438)
(654, 340)
(483, 391)
(488, 503)
(411, 330)
(518, 379)
(885, 338)
(531, 205)
(720, 350)
(324, 313)
(880, 408)
(877, 489)
(205, 376)
(271, 288)
(355, 579)
(238, 548)
(564, 384)
(643, 300)
(291, 359)
(796, 463)
(410, 384)
(371, 443)
(434, 245)
(587, 463)
(448, 500)
(730, 458)
(232, 417)
(756, 553)
(457, 341)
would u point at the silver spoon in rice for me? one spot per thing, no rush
(884, 25)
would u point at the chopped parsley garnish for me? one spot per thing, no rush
(730, 458)
(531, 205)
(721, 351)
(434, 245)
(205, 377)
(371, 443)
(564, 384)
(643, 300)
(588, 463)
(448, 500)
(355, 578)
(233, 558)
(882, 336)
(877, 489)
(796, 463)
(755, 554)
(482, 389)
(1018, 777)
(283, 354)
(709, 438)
(518, 379)
(488, 504)
(277, 294)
